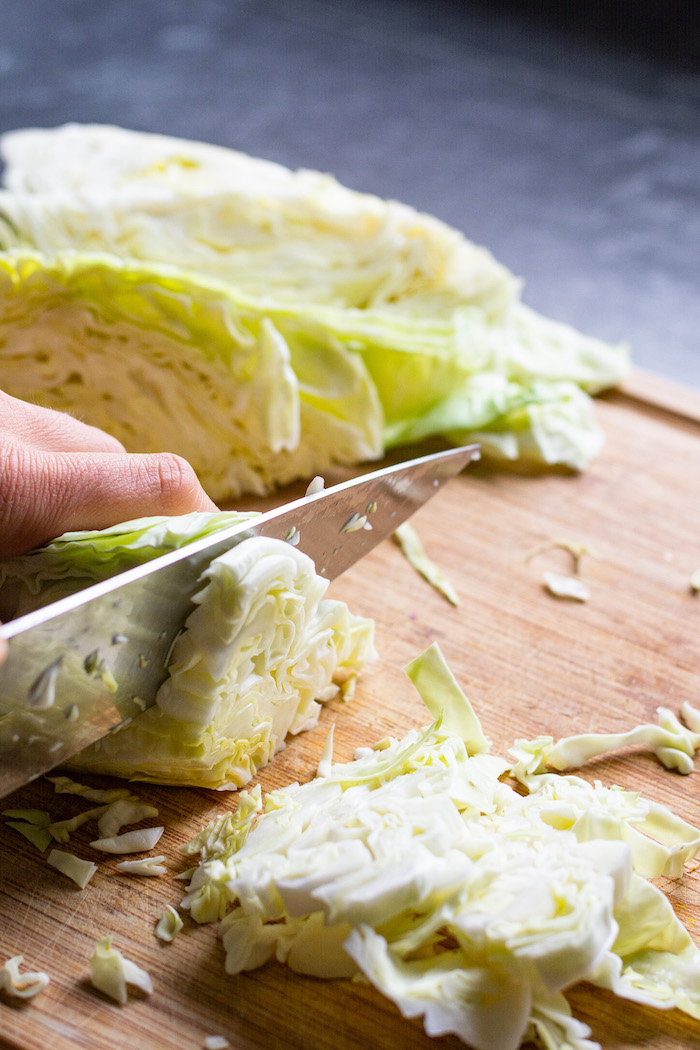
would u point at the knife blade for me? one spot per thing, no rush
(90, 662)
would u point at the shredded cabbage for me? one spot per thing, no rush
(61, 830)
(569, 587)
(77, 869)
(111, 972)
(64, 785)
(21, 985)
(266, 323)
(33, 824)
(120, 807)
(216, 1042)
(262, 650)
(673, 743)
(137, 841)
(169, 924)
(409, 541)
(148, 866)
(466, 902)
(123, 812)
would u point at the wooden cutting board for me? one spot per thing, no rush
(530, 663)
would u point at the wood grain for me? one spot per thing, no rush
(530, 664)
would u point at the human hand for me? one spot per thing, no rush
(58, 474)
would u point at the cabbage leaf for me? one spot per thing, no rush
(673, 743)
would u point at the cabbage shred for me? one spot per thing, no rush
(466, 902)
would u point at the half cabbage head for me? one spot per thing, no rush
(266, 323)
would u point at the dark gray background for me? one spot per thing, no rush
(564, 136)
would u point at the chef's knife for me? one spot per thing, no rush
(86, 664)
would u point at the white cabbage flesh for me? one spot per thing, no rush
(469, 904)
(406, 537)
(140, 840)
(21, 985)
(166, 362)
(112, 973)
(290, 322)
(262, 650)
(169, 924)
(149, 867)
(297, 235)
(77, 869)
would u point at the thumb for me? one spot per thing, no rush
(43, 494)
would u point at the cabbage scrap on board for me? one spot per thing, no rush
(278, 321)
(21, 985)
(261, 651)
(466, 902)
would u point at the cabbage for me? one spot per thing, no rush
(570, 588)
(76, 559)
(166, 361)
(216, 1042)
(21, 985)
(77, 869)
(140, 840)
(147, 866)
(169, 924)
(466, 902)
(294, 235)
(406, 537)
(673, 743)
(265, 323)
(262, 649)
(111, 972)
(123, 812)
(65, 786)
(33, 824)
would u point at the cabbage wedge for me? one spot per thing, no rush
(262, 649)
(287, 321)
